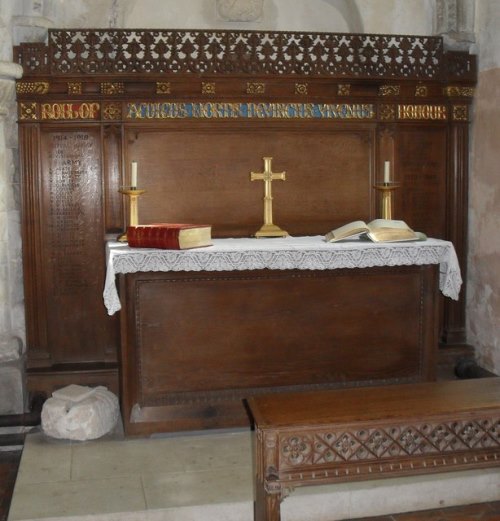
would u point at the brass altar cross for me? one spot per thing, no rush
(268, 229)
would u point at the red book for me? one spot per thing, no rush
(169, 236)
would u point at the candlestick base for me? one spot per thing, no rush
(386, 190)
(133, 194)
(271, 230)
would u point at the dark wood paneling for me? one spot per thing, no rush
(457, 222)
(200, 174)
(73, 265)
(202, 339)
(420, 167)
(39, 354)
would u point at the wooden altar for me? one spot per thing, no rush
(198, 110)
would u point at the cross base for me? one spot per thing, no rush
(271, 230)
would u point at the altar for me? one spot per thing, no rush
(209, 327)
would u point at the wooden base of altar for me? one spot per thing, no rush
(196, 344)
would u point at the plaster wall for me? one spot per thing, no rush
(483, 304)
(379, 16)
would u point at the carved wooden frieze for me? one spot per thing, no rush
(303, 449)
(125, 51)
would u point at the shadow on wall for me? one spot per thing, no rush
(350, 13)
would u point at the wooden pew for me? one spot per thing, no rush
(371, 432)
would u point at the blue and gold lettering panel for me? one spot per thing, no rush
(214, 110)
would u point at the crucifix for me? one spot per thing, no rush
(268, 229)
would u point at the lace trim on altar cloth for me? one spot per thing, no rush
(291, 253)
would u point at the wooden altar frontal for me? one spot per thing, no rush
(198, 111)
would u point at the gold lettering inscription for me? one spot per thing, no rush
(432, 112)
(70, 111)
(214, 110)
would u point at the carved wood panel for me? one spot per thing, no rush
(329, 171)
(71, 222)
(421, 168)
(205, 341)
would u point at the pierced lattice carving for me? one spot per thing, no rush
(221, 52)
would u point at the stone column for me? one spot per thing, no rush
(12, 388)
(455, 23)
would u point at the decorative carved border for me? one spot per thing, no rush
(389, 90)
(254, 87)
(395, 441)
(460, 113)
(453, 91)
(208, 87)
(125, 51)
(343, 89)
(112, 88)
(28, 111)
(32, 87)
(301, 89)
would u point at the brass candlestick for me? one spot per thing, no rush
(133, 194)
(386, 204)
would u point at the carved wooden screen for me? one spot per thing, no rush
(198, 110)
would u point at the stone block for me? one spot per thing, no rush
(80, 413)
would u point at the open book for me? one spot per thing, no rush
(378, 230)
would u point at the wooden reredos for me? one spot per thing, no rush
(198, 110)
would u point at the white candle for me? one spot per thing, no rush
(387, 172)
(133, 175)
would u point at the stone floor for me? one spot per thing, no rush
(209, 477)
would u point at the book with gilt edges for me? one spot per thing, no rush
(169, 236)
(378, 230)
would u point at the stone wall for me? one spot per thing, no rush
(12, 394)
(483, 305)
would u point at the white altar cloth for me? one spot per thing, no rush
(301, 253)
